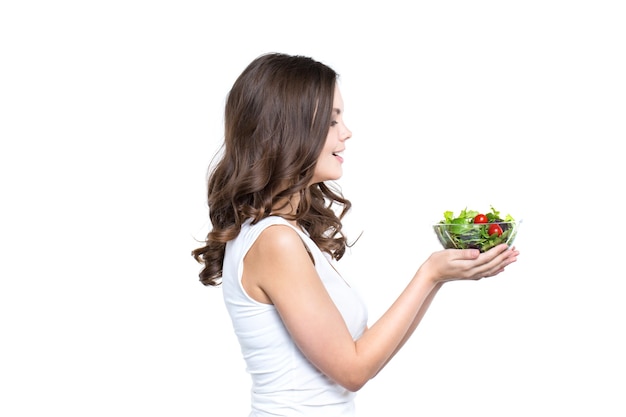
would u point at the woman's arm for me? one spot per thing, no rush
(416, 322)
(278, 270)
(426, 305)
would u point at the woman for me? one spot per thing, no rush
(276, 235)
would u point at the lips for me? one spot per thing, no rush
(338, 155)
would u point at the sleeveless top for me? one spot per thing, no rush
(284, 382)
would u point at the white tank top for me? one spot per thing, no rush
(284, 382)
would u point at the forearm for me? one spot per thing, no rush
(383, 340)
(418, 318)
(356, 362)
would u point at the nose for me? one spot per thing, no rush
(346, 133)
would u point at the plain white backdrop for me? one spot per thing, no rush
(111, 111)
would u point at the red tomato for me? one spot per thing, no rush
(494, 229)
(480, 218)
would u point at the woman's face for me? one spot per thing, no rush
(329, 162)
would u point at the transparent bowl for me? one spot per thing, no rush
(476, 236)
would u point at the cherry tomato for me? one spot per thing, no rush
(480, 218)
(494, 229)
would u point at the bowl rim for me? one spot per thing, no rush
(476, 224)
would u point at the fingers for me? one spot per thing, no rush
(486, 264)
(500, 259)
(455, 264)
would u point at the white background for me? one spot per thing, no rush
(110, 113)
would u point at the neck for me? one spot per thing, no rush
(286, 207)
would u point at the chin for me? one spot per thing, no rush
(329, 176)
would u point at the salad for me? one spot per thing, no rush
(475, 230)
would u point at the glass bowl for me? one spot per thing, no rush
(481, 236)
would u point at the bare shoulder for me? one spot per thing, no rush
(279, 239)
(275, 258)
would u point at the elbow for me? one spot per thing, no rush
(354, 382)
(353, 374)
(354, 387)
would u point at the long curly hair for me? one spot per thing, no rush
(277, 117)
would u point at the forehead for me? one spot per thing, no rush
(337, 99)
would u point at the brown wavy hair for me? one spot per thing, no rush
(277, 117)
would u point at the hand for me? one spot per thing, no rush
(468, 264)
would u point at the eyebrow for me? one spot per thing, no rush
(336, 110)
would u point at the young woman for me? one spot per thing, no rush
(276, 236)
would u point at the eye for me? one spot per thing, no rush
(333, 123)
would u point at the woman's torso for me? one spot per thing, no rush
(284, 382)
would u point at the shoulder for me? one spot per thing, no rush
(273, 229)
(279, 240)
(277, 256)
